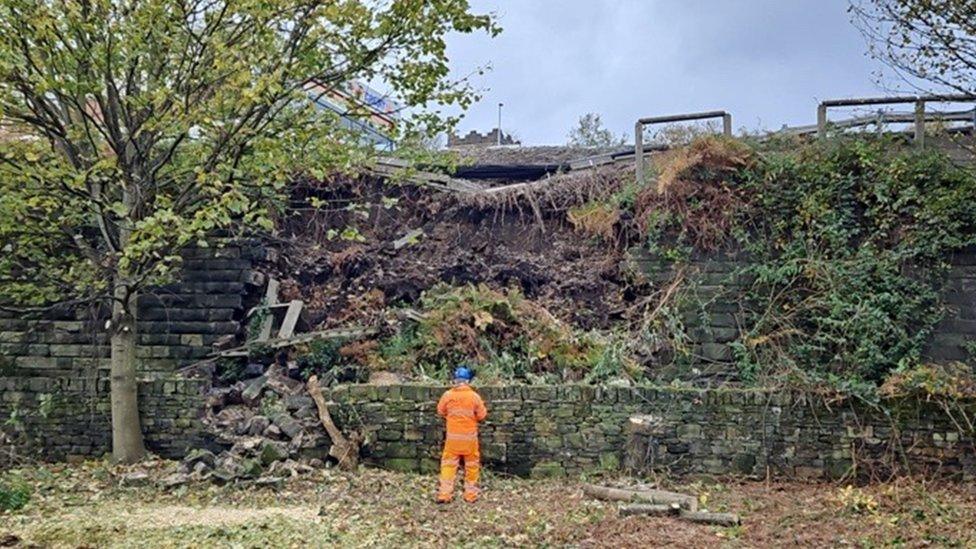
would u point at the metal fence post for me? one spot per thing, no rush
(920, 124)
(822, 121)
(639, 151)
(727, 125)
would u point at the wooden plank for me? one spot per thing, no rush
(291, 319)
(270, 298)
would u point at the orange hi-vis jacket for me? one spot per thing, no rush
(463, 408)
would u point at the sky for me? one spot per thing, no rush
(768, 62)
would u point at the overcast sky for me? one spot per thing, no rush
(768, 62)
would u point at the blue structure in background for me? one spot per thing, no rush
(361, 109)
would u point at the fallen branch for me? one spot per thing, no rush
(344, 449)
(656, 510)
(338, 333)
(648, 496)
(718, 519)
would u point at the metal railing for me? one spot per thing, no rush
(919, 118)
(639, 132)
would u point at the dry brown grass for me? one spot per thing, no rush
(595, 219)
(697, 194)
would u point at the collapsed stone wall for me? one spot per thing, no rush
(572, 429)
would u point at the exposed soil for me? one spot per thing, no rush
(351, 280)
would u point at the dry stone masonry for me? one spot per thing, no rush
(573, 429)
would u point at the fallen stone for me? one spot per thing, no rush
(252, 390)
(9, 540)
(288, 425)
(270, 482)
(136, 478)
(257, 425)
(199, 455)
(224, 475)
(232, 415)
(251, 468)
(273, 431)
(253, 370)
(175, 480)
(200, 468)
(272, 452)
(297, 402)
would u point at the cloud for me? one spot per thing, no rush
(767, 61)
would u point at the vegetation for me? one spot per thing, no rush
(503, 334)
(85, 505)
(14, 493)
(161, 123)
(590, 132)
(922, 39)
(847, 245)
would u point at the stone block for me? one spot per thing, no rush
(547, 469)
(402, 465)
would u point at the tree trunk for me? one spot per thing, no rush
(127, 443)
(659, 497)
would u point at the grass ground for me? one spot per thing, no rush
(85, 506)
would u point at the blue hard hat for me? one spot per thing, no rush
(463, 372)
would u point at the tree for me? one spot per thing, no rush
(589, 132)
(929, 40)
(161, 122)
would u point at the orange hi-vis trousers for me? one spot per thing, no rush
(463, 409)
(454, 452)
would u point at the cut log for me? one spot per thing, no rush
(718, 519)
(344, 449)
(652, 509)
(660, 497)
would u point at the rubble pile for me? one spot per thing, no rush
(265, 429)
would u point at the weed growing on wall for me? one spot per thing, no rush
(848, 245)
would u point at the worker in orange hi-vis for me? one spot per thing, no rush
(463, 409)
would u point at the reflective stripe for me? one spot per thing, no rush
(447, 486)
(471, 488)
(462, 436)
(472, 464)
(450, 461)
(460, 413)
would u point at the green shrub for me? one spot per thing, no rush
(14, 494)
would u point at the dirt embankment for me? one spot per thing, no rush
(353, 247)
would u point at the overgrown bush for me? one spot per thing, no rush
(848, 245)
(505, 336)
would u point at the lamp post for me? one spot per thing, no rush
(500, 105)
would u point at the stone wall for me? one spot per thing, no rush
(177, 323)
(571, 429)
(69, 418)
(709, 308)
(54, 369)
